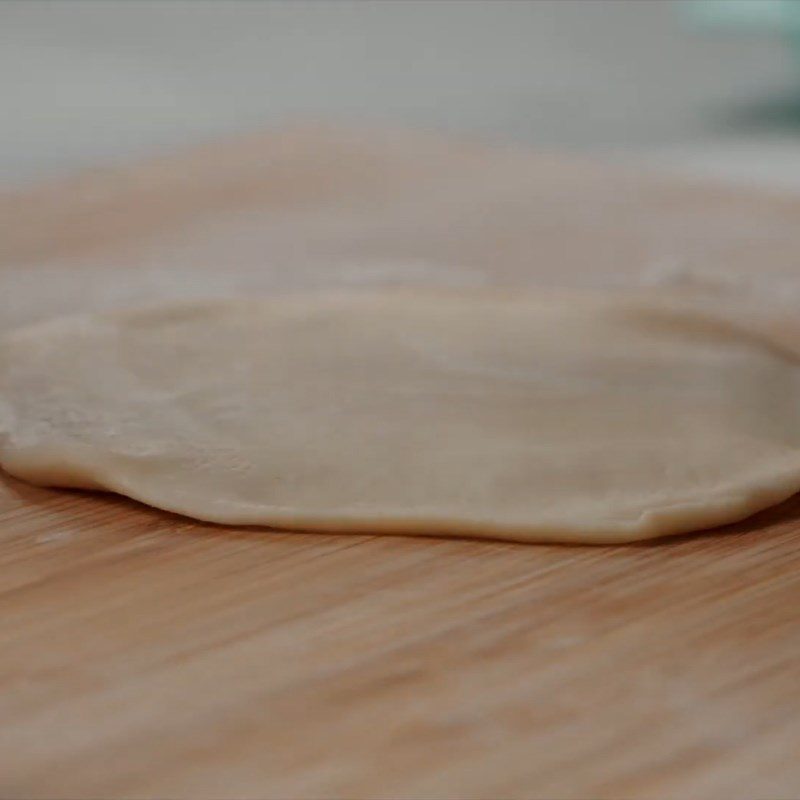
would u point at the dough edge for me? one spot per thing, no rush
(692, 515)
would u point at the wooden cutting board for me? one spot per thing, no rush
(143, 655)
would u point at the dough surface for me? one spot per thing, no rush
(585, 419)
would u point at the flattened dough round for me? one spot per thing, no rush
(589, 419)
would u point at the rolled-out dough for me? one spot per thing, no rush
(583, 418)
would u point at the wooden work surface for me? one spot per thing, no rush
(143, 655)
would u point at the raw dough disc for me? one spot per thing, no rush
(588, 419)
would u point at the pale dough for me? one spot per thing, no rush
(587, 419)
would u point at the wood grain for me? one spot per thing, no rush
(143, 655)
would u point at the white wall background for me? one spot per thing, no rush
(93, 81)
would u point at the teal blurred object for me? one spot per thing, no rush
(777, 16)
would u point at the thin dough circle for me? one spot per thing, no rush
(581, 419)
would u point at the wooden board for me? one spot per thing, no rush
(143, 655)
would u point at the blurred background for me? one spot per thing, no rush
(710, 86)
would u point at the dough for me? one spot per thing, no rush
(571, 418)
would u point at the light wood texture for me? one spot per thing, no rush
(143, 655)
